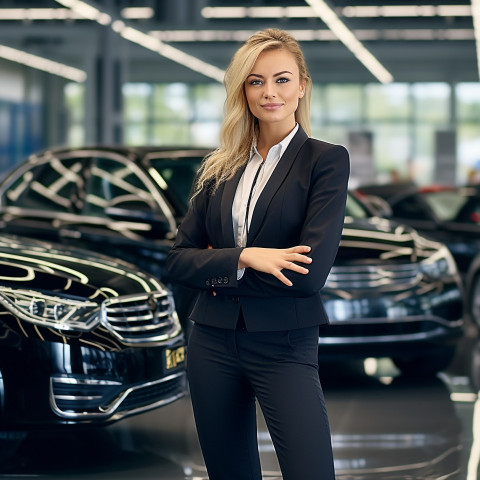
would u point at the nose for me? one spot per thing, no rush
(269, 90)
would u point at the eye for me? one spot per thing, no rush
(255, 82)
(283, 80)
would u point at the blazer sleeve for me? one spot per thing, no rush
(191, 261)
(321, 230)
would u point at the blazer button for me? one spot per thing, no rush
(207, 283)
(225, 280)
(235, 299)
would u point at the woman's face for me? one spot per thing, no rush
(273, 88)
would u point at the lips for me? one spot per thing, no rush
(271, 106)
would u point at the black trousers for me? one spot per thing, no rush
(227, 370)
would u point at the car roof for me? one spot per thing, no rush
(137, 151)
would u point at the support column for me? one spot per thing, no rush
(103, 89)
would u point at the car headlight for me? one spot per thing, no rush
(50, 310)
(439, 265)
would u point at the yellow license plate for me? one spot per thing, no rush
(174, 357)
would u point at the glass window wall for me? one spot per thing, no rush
(402, 118)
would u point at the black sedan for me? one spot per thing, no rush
(448, 214)
(391, 291)
(84, 339)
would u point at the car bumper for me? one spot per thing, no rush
(388, 338)
(367, 324)
(48, 383)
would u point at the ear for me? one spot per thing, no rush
(302, 89)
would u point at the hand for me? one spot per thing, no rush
(274, 260)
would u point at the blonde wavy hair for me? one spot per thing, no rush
(239, 128)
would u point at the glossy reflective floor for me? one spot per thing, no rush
(384, 426)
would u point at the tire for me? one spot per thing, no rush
(425, 365)
(474, 300)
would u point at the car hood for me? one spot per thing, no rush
(376, 241)
(30, 264)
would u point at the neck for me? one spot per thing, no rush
(272, 133)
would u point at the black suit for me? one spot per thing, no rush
(303, 203)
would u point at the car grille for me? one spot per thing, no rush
(140, 318)
(84, 399)
(373, 276)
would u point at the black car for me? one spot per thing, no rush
(84, 339)
(123, 202)
(448, 214)
(391, 292)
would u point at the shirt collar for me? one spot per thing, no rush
(280, 146)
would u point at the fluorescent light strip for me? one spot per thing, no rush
(25, 14)
(407, 11)
(330, 18)
(368, 11)
(476, 25)
(137, 13)
(315, 35)
(87, 11)
(40, 63)
(147, 41)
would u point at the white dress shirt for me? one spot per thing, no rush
(239, 206)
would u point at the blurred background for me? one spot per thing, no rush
(396, 82)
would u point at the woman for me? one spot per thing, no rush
(258, 241)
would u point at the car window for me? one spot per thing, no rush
(412, 208)
(446, 204)
(51, 185)
(469, 211)
(113, 183)
(178, 174)
(355, 209)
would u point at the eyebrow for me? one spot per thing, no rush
(275, 75)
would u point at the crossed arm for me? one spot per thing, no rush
(299, 270)
(274, 260)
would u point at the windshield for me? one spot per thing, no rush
(355, 208)
(178, 175)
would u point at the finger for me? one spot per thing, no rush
(283, 279)
(299, 249)
(295, 268)
(296, 257)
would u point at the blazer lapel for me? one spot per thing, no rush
(230, 187)
(274, 182)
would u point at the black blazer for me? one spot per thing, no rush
(303, 203)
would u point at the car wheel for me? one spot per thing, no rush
(474, 300)
(425, 365)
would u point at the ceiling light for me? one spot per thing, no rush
(370, 11)
(25, 14)
(44, 64)
(224, 12)
(87, 11)
(330, 18)
(137, 13)
(146, 40)
(454, 10)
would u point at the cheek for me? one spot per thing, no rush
(250, 100)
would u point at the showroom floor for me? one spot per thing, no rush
(383, 427)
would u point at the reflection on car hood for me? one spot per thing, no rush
(31, 264)
(377, 240)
